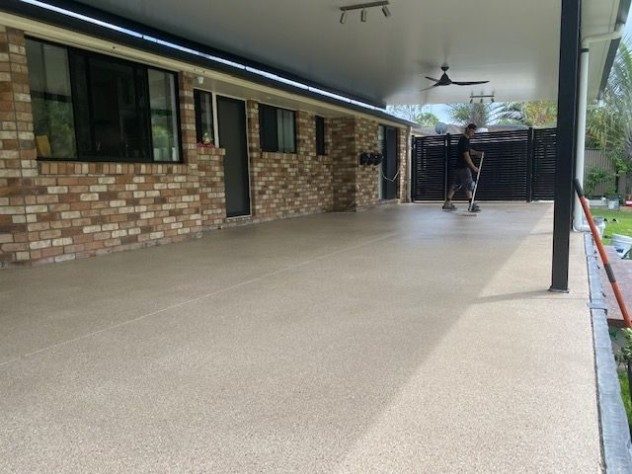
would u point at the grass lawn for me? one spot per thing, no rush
(625, 395)
(622, 226)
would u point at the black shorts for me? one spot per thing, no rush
(462, 179)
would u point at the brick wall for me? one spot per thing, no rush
(356, 186)
(367, 177)
(289, 184)
(345, 161)
(56, 211)
(17, 150)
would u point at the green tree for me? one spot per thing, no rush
(427, 119)
(485, 114)
(414, 113)
(609, 125)
(407, 112)
(539, 113)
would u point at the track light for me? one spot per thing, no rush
(363, 7)
(481, 100)
(343, 17)
(471, 101)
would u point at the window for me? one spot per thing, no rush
(277, 130)
(320, 136)
(111, 108)
(54, 124)
(117, 110)
(164, 117)
(204, 117)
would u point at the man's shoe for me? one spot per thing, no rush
(474, 208)
(448, 206)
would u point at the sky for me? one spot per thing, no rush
(443, 111)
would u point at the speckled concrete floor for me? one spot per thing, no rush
(402, 339)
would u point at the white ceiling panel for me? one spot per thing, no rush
(512, 43)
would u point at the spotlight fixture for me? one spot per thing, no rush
(343, 18)
(363, 7)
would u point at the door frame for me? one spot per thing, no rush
(247, 128)
(383, 185)
(380, 180)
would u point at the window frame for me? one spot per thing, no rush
(276, 130)
(196, 94)
(136, 66)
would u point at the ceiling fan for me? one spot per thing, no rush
(446, 81)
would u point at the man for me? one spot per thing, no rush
(463, 170)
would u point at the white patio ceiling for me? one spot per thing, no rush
(512, 43)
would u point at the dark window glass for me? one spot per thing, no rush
(95, 107)
(115, 100)
(164, 118)
(204, 117)
(79, 72)
(268, 128)
(320, 136)
(277, 129)
(54, 124)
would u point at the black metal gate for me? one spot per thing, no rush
(519, 165)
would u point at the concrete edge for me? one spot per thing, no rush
(613, 423)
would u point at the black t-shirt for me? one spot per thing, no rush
(463, 146)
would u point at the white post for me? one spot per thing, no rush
(582, 105)
(578, 217)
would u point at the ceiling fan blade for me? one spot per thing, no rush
(432, 79)
(470, 83)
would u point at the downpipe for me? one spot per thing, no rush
(579, 225)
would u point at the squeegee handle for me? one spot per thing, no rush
(478, 175)
(480, 166)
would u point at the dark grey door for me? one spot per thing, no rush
(231, 124)
(390, 164)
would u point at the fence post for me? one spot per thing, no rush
(446, 164)
(530, 162)
(413, 171)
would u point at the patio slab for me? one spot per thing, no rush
(399, 339)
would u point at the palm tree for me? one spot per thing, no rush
(407, 112)
(427, 119)
(413, 113)
(485, 114)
